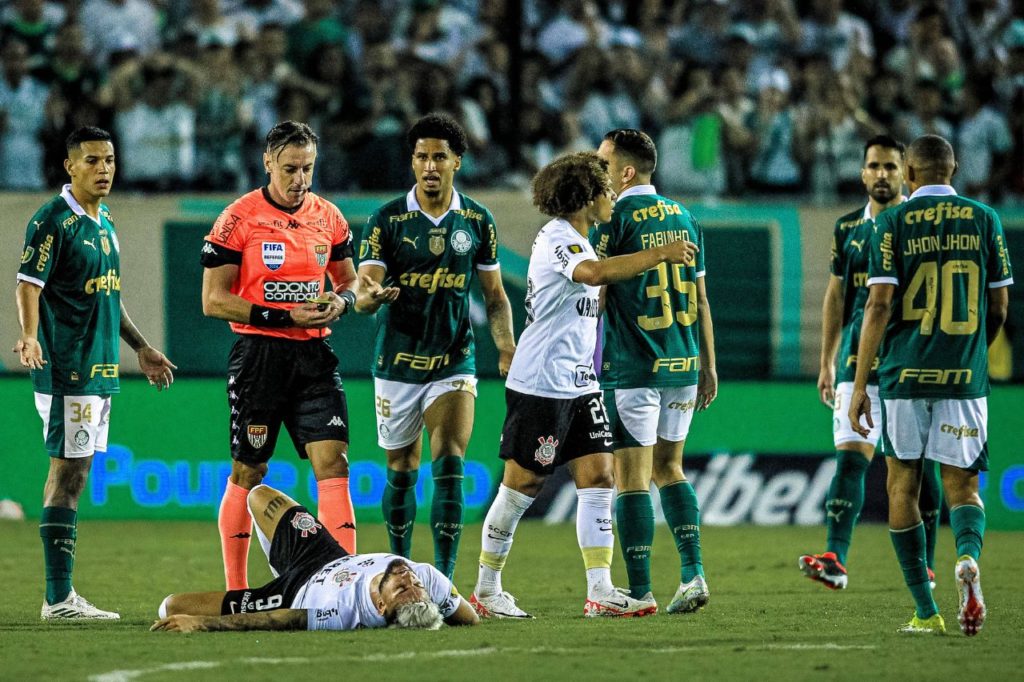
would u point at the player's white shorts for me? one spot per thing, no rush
(842, 432)
(74, 425)
(953, 432)
(639, 416)
(400, 406)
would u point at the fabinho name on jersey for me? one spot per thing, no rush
(663, 237)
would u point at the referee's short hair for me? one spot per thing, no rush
(288, 133)
(85, 134)
(637, 145)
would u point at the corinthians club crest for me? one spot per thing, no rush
(545, 454)
(305, 523)
(257, 435)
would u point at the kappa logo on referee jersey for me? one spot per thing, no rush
(336, 421)
(273, 255)
(257, 435)
(545, 454)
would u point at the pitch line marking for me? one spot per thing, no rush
(129, 675)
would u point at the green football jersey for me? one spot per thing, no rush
(426, 334)
(943, 253)
(850, 262)
(650, 328)
(75, 260)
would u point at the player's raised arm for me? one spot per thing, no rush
(618, 268)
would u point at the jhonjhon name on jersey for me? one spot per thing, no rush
(74, 258)
(426, 334)
(651, 328)
(851, 248)
(943, 253)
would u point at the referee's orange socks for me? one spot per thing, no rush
(235, 527)
(335, 511)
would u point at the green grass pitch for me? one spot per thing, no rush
(764, 621)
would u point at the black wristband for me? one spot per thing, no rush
(350, 300)
(262, 316)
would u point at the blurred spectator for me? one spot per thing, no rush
(257, 14)
(576, 24)
(734, 108)
(155, 133)
(925, 116)
(894, 19)
(983, 145)
(34, 23)
(22, 117)
(773, 164)
(209, 24)
(703, 36)
(831, 31)
(113, 25)
(977, 26)
(601, 84)
(691, 160)
(220, 122)
(884, 101)
(320, 26)
(434, 32)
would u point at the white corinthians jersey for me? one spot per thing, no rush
(555, 355)
(338, 595)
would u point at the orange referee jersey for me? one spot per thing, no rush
(282, 256)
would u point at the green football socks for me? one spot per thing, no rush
(398, 506)
(634, 517)
(58, 529)
(910, 550)
(968, 522)
(446, 511)
(930, 503)
(679, 502)
(845, 501)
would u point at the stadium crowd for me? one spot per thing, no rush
(770, 97)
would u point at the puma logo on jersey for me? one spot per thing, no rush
(90, 243)
(407, 240)
(857, 244)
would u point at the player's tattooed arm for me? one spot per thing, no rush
(280, 619)
(499, 315)
(877, 312)
(998, 307)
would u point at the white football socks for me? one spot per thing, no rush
(594, 533)
(499, 527)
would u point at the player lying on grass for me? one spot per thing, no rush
(318, 585)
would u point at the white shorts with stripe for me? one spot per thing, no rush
(400, 406)
(74, 425)
(953, 432)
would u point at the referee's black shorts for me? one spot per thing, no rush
(274, 381)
